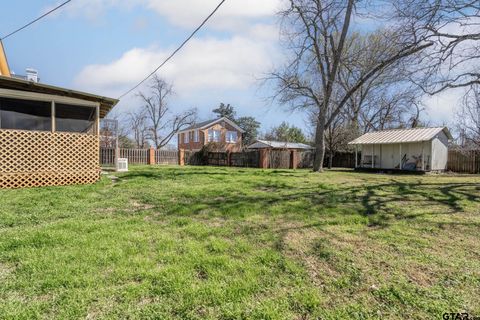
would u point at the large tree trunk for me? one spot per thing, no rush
(319, 145)
(330, 159)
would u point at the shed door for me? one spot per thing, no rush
(389, 156)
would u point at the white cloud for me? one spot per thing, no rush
(92, 9)
(204, 64)
(233, 15)
(441, 108)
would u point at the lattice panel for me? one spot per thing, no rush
(32, 158)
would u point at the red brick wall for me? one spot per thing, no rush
(203, 138)
(191, 145)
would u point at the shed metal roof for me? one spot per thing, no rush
(264, 144)
(400, 136)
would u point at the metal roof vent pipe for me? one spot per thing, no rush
(32, 75)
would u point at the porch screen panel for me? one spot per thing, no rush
(20, 114)
(72, 118)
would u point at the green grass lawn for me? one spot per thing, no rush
(226, 243)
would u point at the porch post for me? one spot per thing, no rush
(356, 156)
(97, 121)
(400, 164)
(53, 116)
(423, 156)
(373, 156)
(361, 159)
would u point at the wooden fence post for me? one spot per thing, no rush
(229, 158)
(263, 163)
(293, 159)
(181, 157)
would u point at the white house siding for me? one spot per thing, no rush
(367, 151)
(439, 151)
(387, 156)
(390, 156)
(415, 152)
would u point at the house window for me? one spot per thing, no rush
(185, 137)
(195, 136)
(25, 114)
(71, 118)
(231, 137)
(213, 135)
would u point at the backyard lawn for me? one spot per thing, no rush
(235, 243)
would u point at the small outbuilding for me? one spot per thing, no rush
(418, 149)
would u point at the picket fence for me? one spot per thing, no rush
(138, 156)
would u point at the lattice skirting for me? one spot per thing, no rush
(35, 159)
(41, 179)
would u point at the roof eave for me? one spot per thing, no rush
(106, 104)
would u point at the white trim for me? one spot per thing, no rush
(227, 136)
(208, 125)
(25, 95)
(213, 135)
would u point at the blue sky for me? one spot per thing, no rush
(106, 46)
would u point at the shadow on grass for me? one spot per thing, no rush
(380, 203)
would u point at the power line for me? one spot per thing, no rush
(32, 22)
(176, 50)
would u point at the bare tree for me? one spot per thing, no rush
(137, 122)
(317, 32)
(338, 134)
(162, 123)
(400, 108)
(386, 100)
(468, 119)
(452, 25)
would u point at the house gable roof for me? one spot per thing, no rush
(267, 144)
(209, 123)
(401, 136)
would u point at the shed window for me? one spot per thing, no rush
(213, 135)
(72, 118)
(25, 114)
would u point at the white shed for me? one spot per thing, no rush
(418, 149)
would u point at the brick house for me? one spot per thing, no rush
(223, 131)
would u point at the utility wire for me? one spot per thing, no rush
(176, 50)
(32, 22)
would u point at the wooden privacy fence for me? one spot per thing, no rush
(464, 161)
(275, 159)
(458, 161)
(138, 156)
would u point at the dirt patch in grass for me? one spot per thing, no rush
(5, 270)
(135, 206)
(298, 244)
